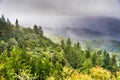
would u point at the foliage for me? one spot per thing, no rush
(26, 54)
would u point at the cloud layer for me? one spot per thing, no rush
(46, 11)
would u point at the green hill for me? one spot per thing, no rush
(26, 54)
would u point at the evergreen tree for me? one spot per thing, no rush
(40, 31)
(114, 60)
(35, 28)
(8, 21)
(68, 42)
(106, 60)
(99, 52)
(94, 59)
(17, 24)
(78, 45)
(114, 63)
(99, 60)
(3, 18)
(63, 44)
(86, 65)
(87, 53)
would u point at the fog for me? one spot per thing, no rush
(54, 13)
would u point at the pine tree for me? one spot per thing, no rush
(8, 21)
(17, 24)
(94, 58)
(3, 18)
(87, 53)
(68, 42)
(106, 60)
(78, 45)
(40, 31)
(114, 63)
(63, 44)
(36, 29)
(114, 59)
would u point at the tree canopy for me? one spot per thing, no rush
(26, 54)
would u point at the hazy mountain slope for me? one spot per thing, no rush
(89, 28)
(109, 45)
(102, 32)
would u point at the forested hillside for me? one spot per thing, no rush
(26, 54)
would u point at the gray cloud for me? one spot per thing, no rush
(65, 6)
(43, 11)
(0, 1)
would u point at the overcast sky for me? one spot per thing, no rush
(54, 12)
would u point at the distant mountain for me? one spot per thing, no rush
(90, 28)
(109, 27)
(79, 33)
(101, 32)
(109, 45)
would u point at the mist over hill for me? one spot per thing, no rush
(101, 32)
(90, 28)
(26, 54)
(60, 40)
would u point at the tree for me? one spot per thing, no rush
(99, 52)
(3, 18)
(68, 42)
(63, 44)
(3, 46)
(94, 59)
(78, 45)
(40, 31)
(99, 60)
(11, 43)
(17, 24)
(87, 53)
(114, 63)
(114, 59)
(87, 64)
(8, 21)
(106, 60)
(36, 29)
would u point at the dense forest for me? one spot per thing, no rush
(26, 54)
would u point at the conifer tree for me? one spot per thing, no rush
(94, 58)
(40, 31)
(17, 24)
(35, 27)
(63, 44)
(106, 60)
(3, 18)
(68, 42)
(87, 53)
(8, 21)
(78, 45)
(114, 63)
